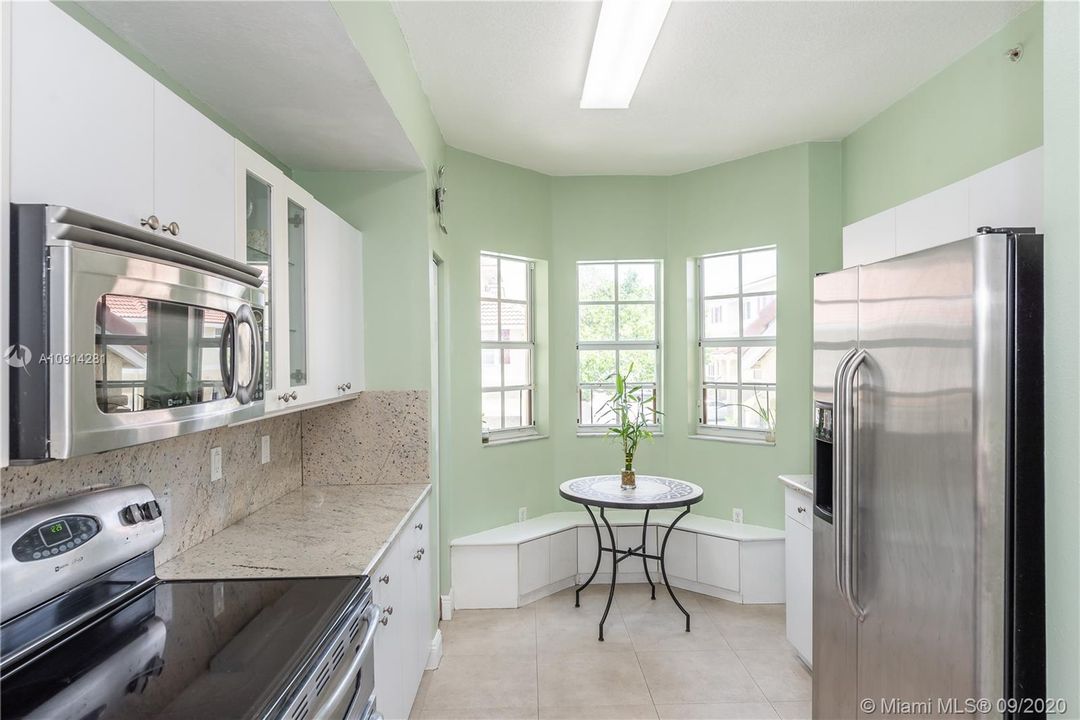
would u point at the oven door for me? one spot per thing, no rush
(143, 350)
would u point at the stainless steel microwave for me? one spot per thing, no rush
(120, 336)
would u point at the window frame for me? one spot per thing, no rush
(618, 345)
(736, 432)
(523, 431)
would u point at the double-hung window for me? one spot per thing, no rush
(507, 346)
(737, 340)
(618, 327)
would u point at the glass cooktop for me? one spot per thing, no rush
(182, 650)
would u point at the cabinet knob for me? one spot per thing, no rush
(172, 228)
(419, 554)
(284, 397)
(385, 579)
(151, 222)
(800, 509)
(292, 395)
(419, 526)
(385, 619)
(348, 386)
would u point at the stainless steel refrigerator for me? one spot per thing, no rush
(928, 517)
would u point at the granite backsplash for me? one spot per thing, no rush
(381, 437)
(178, 472)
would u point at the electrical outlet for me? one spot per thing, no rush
(215, 464)
(219, 598)
(736, 515)
(522, 514)
(265, 444)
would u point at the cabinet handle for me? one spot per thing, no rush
(284, 397)
(151, 222)
(172, 228)
(800, 509)
(292, 395)
(385, 579)
(419, 554)
(419, 526)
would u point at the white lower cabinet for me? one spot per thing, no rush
(534, 565)
(717, 562)
(404, 589)
(798, 574)
(563, 559)
(681, 554)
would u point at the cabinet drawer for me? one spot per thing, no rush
(798, 507)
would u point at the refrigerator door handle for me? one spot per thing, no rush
(850, 499)
(839, 406)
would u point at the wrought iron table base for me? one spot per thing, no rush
(619, 555)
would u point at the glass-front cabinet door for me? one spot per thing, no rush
(297, 221)
(259, 251)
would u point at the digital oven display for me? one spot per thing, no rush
(55, 533)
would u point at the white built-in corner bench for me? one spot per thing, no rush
(513, 565)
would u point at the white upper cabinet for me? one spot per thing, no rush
(350, 276)
(82, 119)
(193, 174)
(335, 296)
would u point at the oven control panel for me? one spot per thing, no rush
(48, 549)
(55, 536)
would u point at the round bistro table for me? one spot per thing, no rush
(651, 493)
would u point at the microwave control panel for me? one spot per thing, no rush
(54, 537)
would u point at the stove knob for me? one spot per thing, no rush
(131, 514)
(151, 510)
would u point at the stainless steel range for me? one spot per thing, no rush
(89, 631)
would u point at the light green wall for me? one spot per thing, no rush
(1062, 293)
(978, 112)
(497, 208)
(765, 199)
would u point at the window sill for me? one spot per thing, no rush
(735, 440)
(605, 433)
(513, 439)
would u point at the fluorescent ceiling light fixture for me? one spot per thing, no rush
(625, 36)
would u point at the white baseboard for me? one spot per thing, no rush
(446, 605)
(435, 655)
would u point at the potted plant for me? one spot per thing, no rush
(627, 405)
(767, 413)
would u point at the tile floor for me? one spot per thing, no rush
(544, 661)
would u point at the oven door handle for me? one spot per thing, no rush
(372, 613)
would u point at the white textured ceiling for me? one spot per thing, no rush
(285, 73)
(725, 80)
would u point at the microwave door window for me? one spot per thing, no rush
(156, 354)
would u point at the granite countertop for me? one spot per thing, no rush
(316, 530)
(800, 483)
